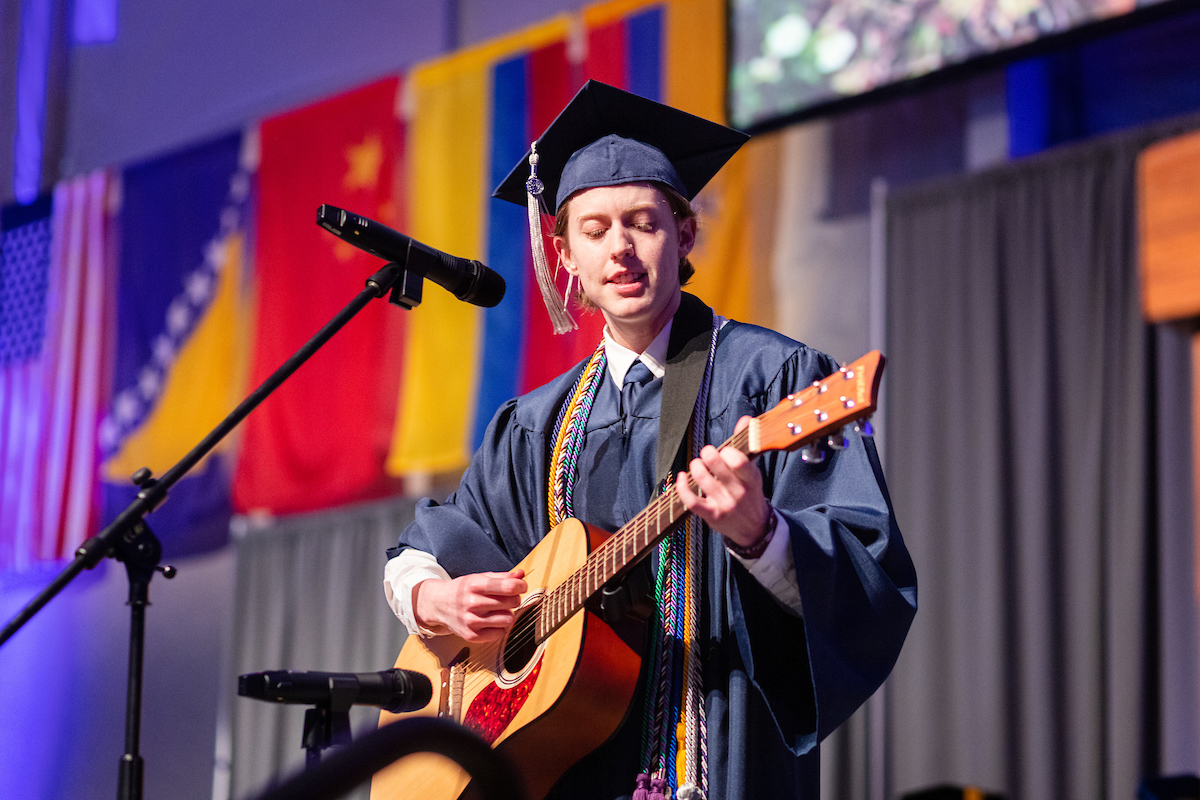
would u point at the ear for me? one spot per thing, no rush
(687, 236)
(563, 250)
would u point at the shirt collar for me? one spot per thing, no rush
(621, 358)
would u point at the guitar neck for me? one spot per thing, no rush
(798, 420)
(621, 551)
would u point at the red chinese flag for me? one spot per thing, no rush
(321, 439)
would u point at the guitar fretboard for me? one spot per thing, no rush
(619, 552)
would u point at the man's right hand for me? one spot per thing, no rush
(476, 608)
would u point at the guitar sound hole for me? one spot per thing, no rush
(521, 644)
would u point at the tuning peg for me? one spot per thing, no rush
(837, 440)
(812, 454)
(865, 427)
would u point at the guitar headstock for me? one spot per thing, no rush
(821, 409)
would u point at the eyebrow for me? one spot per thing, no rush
(647, 206)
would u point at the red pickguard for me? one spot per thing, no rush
(495, 707)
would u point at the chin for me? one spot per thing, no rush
(630, 308)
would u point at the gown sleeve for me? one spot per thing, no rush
(857, 583)
(490, 522)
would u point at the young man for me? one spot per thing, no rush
(774, 619)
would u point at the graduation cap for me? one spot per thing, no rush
(607, 137)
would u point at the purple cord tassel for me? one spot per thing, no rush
(659, 790)
(642, 792)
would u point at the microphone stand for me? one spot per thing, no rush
(128, 539)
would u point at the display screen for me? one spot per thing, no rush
(788, 56)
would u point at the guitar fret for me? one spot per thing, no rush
(603, 567)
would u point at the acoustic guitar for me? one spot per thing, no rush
(560, 683)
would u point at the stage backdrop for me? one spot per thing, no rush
(1045, 417)
(471, 118)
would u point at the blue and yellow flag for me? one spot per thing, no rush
(181, 334)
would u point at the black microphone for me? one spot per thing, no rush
(465, 279)
(394, 690)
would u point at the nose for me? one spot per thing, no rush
(622, 244)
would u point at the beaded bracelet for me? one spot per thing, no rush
(755, 550)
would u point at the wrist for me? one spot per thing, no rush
(425, 609)
(756, 548)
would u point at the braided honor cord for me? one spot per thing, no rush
(568, 437)
(675, 741)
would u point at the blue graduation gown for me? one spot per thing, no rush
(775, 684)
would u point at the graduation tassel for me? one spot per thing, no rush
(559, 316)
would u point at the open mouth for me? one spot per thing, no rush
(626, 278)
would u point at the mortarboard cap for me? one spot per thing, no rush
(606, 136)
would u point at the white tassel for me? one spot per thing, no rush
(559, 316)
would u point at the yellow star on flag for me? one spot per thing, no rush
(363, 163)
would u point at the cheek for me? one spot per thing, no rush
(662, 252)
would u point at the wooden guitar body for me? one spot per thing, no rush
(576, 685)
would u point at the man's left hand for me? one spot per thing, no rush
(730, 497)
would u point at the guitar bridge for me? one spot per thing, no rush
(451, 692)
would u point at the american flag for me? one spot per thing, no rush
(55, 298)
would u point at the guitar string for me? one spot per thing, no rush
(639, 524)
(478, 664)
(638, 528)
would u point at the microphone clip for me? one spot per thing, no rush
(406, 292)
(327, 724)
(405, 285)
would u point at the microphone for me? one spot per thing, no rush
(394, 690)
(465, 279)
